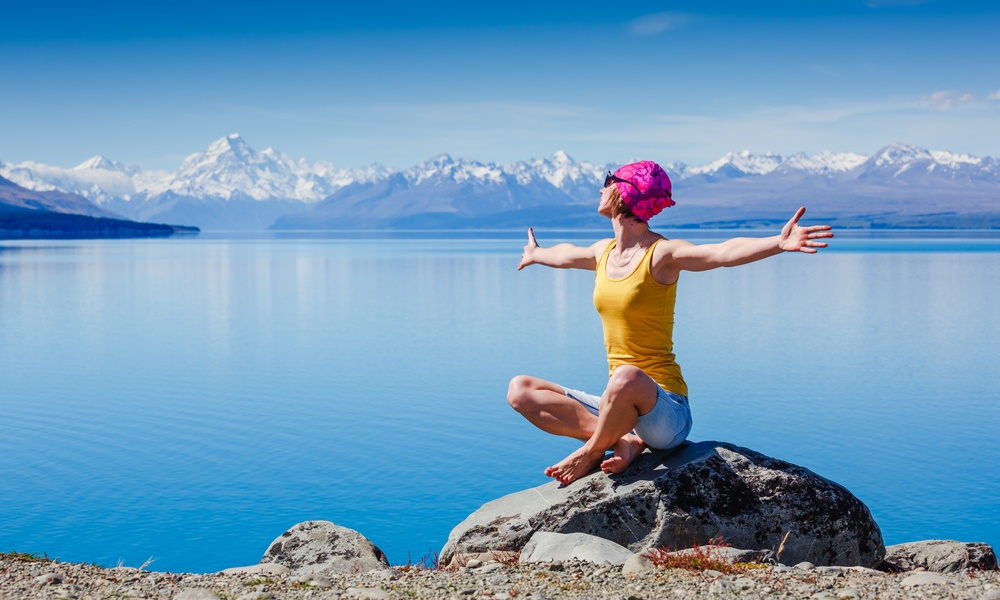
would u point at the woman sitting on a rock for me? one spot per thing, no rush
(645, 402)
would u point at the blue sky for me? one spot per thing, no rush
(398, 83)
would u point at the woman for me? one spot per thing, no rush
(645, 402)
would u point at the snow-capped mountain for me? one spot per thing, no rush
(230, 168)
(918, 166)
(232, 185)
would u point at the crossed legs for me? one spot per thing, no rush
(630, 394)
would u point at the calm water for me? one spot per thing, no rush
(190, 399)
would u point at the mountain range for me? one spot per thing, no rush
(232, 186)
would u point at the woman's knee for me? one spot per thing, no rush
(631, 385)
(626, 378)
(519, 392)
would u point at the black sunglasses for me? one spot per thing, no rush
(611, 178)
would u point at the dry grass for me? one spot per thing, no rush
(709, 557)
(429, 561)
(25, 556)
(506, 557)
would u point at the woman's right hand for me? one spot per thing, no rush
(527, 255)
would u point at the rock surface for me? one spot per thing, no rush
(546, 546)
(686, 497)
(322, 547)
(941, 556)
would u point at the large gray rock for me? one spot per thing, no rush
(686, 497)
(941, 556)
(321, 547)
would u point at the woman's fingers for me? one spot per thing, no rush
(798, 215)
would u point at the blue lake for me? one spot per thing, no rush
(188, 400)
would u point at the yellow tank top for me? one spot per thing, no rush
(638, 317)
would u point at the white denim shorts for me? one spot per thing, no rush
(662, 428)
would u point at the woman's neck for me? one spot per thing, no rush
(628, 232)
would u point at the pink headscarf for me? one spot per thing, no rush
(648, 191)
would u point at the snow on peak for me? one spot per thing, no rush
(230, 167)
(898, 154)
(825, 162)
(744, 161)
(561, 158)
(559, 170)
(954, 160)
(99, 162)
(232, 144)
(445, 167)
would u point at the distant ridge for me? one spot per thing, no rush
(27, 214)
(232, 186)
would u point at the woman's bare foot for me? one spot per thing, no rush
(575, 466)
(625, 450)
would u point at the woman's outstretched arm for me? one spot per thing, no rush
(685, 256)
(561, 256)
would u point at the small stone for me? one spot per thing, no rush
(196, 594)
(822, 596)
(502, 596)
(367, 593)
(637, 563)
(924, 578)
(712, 573)
(848, 593)
(601, 572)
(388, 574)
(850, 570)
(721, 586)
(256, 596)
(991, 595)
(319, 582)
(474, 563)
(47, 579)
(743, 583)
(557, 566)
(261, 569)
(805, 566)
(490, 568)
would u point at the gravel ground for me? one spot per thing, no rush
(20, 578)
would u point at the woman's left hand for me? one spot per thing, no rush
(795, 238)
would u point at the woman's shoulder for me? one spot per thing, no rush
(662, 263)
(601, 246)
(664, 247)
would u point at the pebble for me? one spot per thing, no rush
(368, 593)
(196, 594)
(576, 581)
(720, 586)
(47, 579)
(924, 578)
(490, 568)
